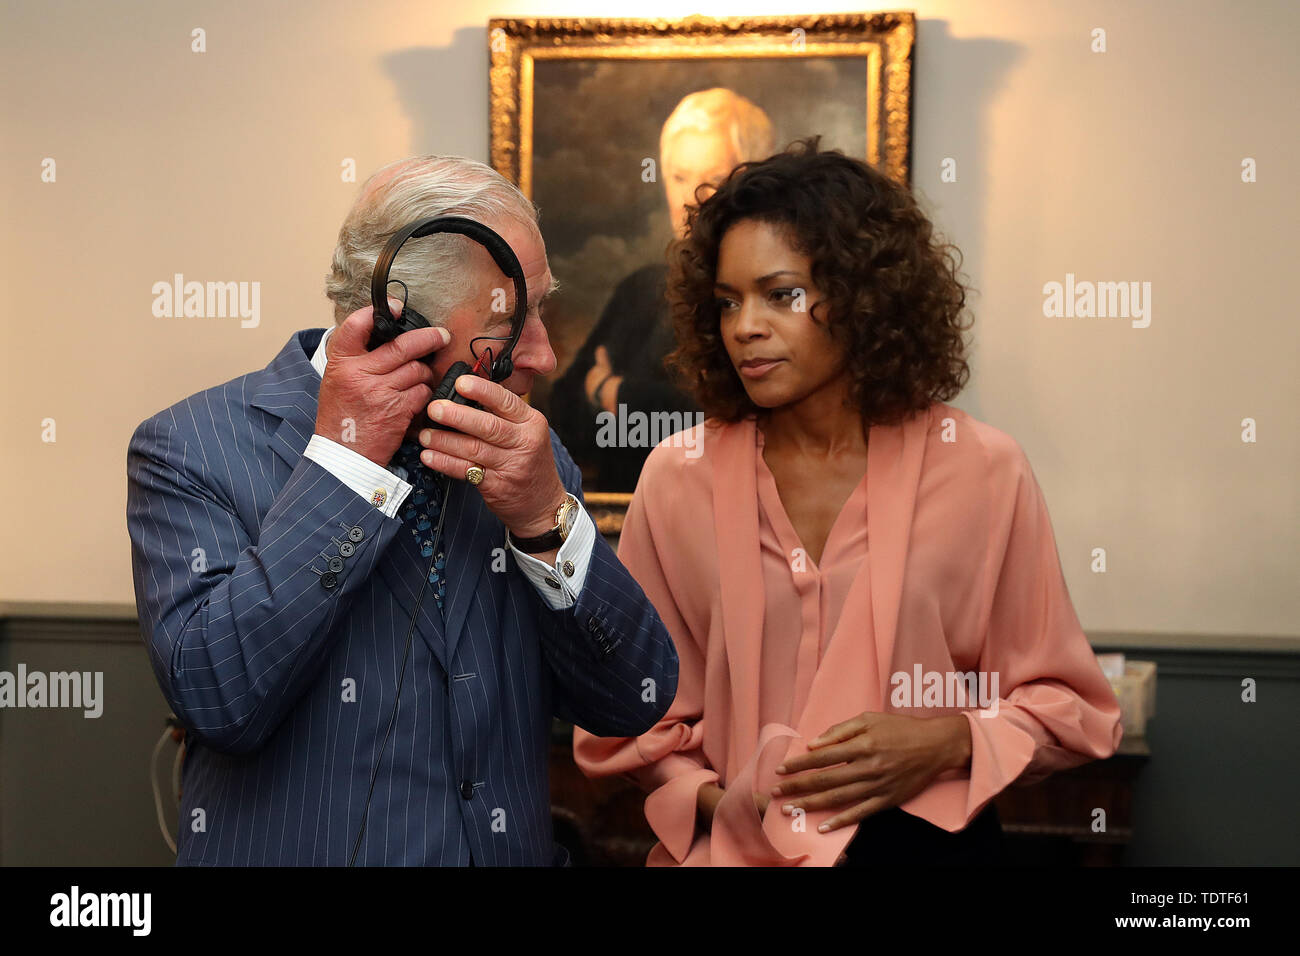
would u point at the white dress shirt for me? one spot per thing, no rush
(559, 585)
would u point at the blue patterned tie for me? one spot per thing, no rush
(420, 511)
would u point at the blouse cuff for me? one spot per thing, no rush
(1000, 752)
(671, 810)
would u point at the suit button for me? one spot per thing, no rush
(466, 789)
(347, 549)
(329, 579)
(568, 569)
(356, 534)
(336, 564)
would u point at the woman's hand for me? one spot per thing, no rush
(886, 760)
(708, 797)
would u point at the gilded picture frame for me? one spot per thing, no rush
(580, 109)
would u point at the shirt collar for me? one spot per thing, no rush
(320, 358)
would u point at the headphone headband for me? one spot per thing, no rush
(387, 328)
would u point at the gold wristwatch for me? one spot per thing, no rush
(551, 540)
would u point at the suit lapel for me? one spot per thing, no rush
(290, 390)
(472, 531)
(402, 569)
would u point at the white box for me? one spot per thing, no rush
(1136, 690)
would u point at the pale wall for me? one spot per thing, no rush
(1115, 166)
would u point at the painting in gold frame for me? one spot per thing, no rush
(608, 124)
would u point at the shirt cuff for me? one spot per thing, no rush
(560, 585)
(377, 484)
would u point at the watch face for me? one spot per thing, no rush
(568, 511)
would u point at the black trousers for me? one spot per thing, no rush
(894, 836)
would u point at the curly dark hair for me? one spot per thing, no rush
(891, 287)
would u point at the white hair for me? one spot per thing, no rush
(432, 266)
(745, 125)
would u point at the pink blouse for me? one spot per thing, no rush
(802, 599)
(962, 577)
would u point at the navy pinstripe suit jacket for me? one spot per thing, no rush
(286, 686)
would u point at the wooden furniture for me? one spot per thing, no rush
(1052, 822)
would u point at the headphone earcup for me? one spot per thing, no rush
(387, 328)
(447, 387)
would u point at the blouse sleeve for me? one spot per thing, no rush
(667, 760)
(1054, 707)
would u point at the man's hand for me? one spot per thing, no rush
(380, 392)
(511, 441)
(887, 759)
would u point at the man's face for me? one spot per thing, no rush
(693, 158)
(476, 316)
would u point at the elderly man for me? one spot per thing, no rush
(280, 529)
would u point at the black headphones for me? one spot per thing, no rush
(386, 328)
(497, 368)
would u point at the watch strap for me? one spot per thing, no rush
(549, 540)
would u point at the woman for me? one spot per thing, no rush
(862, 582)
